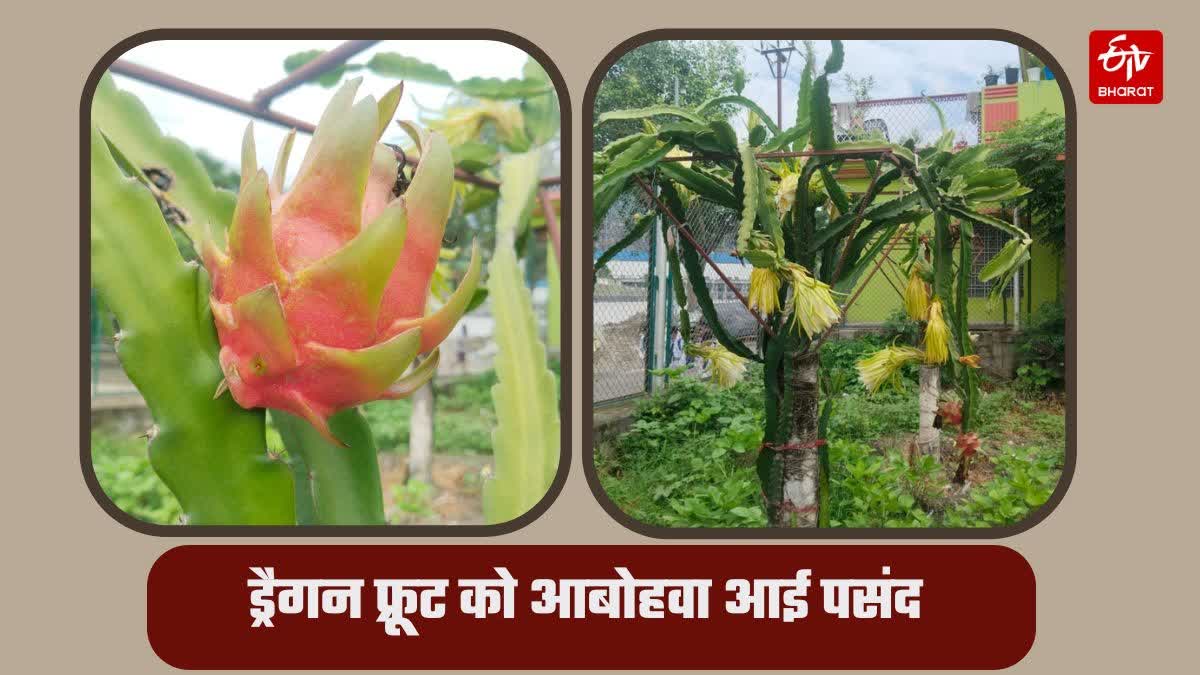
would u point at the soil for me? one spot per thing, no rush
(455, 497)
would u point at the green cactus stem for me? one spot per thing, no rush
(209, 451)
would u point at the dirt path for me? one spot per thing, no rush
(453, 499)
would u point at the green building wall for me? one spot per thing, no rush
(1041, 279)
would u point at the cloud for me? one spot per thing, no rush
(901, 68)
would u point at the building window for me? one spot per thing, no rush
(986, 243)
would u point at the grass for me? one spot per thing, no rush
(463, 417)
(688, 458)
(463, 423)
(123, 470)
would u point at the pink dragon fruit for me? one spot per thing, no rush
(320, 298)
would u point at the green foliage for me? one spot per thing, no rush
(839, 357)
(123, 469)
(408, 68)
(1025, 478)
(126, 123)
(1033, 379)
(901, 328)
(1042, 347)
(328, 79)
(688, 458)
(1031, 147)
(208, 450)
(645, 76)
(413, 499)
(463, 418)
(526, 437)
(879, 490)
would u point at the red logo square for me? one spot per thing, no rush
(1125, 66)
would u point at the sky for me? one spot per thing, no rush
(900, 67)
(242, 67)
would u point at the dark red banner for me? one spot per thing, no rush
(656, 606)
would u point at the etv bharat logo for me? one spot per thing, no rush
(1126, 66)
(1133, 60)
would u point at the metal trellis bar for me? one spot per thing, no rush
(686, 233)
(259, 107)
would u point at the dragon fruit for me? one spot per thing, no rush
(320, 298)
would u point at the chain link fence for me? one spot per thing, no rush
(898, 120)
(626, 303)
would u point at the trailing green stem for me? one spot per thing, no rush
(343, 482)
(211, 453)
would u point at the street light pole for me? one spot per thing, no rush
(778, 54)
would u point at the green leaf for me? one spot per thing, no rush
(526, 439)
(839, 226)
(834, 190)
(1013, 254)
(878, 236)
(211, 453)
(991, 178)
(750, 173)
(327, 79)
(804, 101)
(726, 137)
(641, 155)
(652, 111)
(541, 112)
(973, 155)
(996, 194)
(641, 224)
(474, 156)
(735, 99)
(821, 115)
(940, 115)
(695, 273)
(757, 135)
(975, 216)
(495, 88)
(894, 207)
(906, 155)
(700, 183)
(125, 121)
(401, 67)
(837, 55)
(343, 482)
(786, 138)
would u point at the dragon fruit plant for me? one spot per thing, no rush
(319, 297)
(307, 300)
(810, 243)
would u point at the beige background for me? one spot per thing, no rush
(1112, 562)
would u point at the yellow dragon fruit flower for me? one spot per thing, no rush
(461, 124)
(937, 335)
(916, 296)
(884, 366)
(812, 304)
(679, 152)
(727, 368)
(764, 290)
(785, 192)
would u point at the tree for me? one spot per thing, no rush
(646, 75)
(809, 241)
(1032, 148)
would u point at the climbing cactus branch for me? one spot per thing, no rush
(210, 452)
